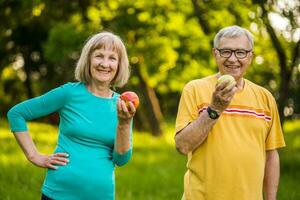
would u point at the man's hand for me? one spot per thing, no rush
(222, 96)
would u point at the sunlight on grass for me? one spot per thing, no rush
(11, 154)
(292, 127)
(292, 132)
(155, 171)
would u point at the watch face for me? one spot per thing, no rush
(212, 113)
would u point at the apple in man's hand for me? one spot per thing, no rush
(132, 97)
(230, 81)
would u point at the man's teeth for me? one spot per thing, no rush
(232, 66)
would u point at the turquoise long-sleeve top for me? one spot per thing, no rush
(87, 132)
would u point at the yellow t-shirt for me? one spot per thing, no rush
(230, 163)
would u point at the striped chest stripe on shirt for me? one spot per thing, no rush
(249, 112)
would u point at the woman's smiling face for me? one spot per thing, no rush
(104, 66)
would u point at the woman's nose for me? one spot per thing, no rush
(104, 63)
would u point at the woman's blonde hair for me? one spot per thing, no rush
(105, 40)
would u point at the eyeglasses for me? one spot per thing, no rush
(239, 53)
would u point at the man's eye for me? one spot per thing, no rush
(240, 52)
(226, 52)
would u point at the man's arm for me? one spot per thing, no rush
(194, 134)
(272, 174)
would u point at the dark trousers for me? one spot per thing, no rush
(44, 197)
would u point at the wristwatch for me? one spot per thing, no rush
(212, 113)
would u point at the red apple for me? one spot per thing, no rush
(132, 97)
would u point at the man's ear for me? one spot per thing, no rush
(251, 55)
(214, 51)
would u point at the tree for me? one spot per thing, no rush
(287, 49)
(289, 58)
(169, 43)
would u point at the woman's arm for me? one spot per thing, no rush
(47, 161)
(123, 147)
(31, 109)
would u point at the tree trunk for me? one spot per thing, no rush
(27, 69)
(152, 108)
(285, 71)
(200, 13)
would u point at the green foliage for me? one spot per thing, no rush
(165, 42)
(10, 88)
(64, 35)
(155, 171)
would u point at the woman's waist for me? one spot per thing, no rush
(81, 177)
(81, 152)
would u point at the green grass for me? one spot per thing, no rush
(155, 171)
(290, 163)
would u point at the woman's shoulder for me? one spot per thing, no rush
(71, 86)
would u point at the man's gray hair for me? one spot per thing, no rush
(233, 31)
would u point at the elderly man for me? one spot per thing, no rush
(229, 132)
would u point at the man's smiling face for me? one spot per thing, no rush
(232, 65)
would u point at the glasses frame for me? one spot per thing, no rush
(234, 51)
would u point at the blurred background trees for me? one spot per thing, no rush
(169, 43)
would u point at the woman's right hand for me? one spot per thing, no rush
(33, 155)
(50, 160)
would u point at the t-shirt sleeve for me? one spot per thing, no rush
(43, 105)
(275, 137)
(187, 109)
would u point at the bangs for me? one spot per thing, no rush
(108, 43)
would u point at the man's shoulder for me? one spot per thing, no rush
(257, 88)
(201, 82)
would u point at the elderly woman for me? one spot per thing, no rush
(95, 124)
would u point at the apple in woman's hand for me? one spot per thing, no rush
(132, 97)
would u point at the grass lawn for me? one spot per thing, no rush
(154, 173)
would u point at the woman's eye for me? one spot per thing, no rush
(99, 56)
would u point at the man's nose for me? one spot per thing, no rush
(232, 57)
